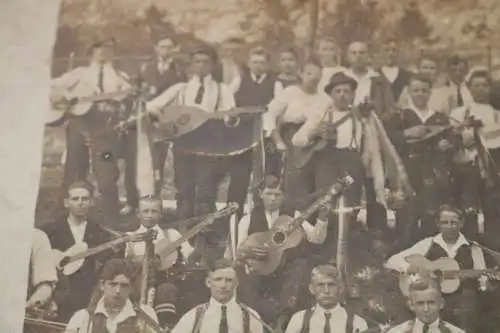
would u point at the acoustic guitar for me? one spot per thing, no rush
(166, 250)
(447, 271)
(71, 260)
(286, 231)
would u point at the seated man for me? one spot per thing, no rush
(425, 301)
(150, 212)
(222, 314)
(113, 312)
(449, 242)
(276, 294)
(327, 315)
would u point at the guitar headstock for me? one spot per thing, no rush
(492, 274)
(148, 235)
(341, 184)
(231, 208)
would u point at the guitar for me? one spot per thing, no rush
(177, 120)
(166, 250)
(286, 232)
(447, 270)
(431, 131)
(71, 260)
(79, 106)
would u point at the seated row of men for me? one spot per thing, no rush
(275, 297)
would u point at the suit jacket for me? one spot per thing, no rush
(162, 81)
(400, 83)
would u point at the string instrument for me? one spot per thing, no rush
(55, 325)
(432, 131)
(79, 106)
(177, 120)
(147, 320)
(286, 232)
(71, 260)
(166, 250)
(446, 269)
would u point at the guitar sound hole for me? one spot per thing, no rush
(279, 238)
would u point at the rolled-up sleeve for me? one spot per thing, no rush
(275, 109)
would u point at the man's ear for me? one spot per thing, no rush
(207, 282)
(442, 303)
(409, 303)
(311, 290)
(65, 202)
(101, 285)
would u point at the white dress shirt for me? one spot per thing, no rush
(363, 91)
(416, 326)
(296, 106)
(137, 249)
(338, 321)
(230, 70)
(236, 83)
(79, 323)
(440, 100)
(84, 81)
(42, 264)
(185, 94)
(390, 72)
(77, 229)
(212, 317)
(398, 261)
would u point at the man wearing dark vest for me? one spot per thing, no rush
(327, 315)
(113, 312)
(279, 293)
(396, 75)
(461, 306)
(159, 75)
(255, 86)
(222, 313)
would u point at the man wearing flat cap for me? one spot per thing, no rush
(90, 134)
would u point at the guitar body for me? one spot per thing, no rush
(177, 120)
(163, 251)
(71, 267)
(449, 284)
(430, 132)
(304, 155)
(276, 242)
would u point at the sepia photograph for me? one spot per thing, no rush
(278, 166)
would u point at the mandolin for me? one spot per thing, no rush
(286, 232)
(446, 269)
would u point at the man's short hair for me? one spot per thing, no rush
(205, 50)
(163, 36)
(480, 73)
(80, 184)
(427, 57)
(289, 49)
(271, 182)
(219, 264)
(235, 40)
(114, 267)
(452, 209)
(421, 78)
(455, 60)
(151, 198)
(424, 281)
(327, 39)
(327, 270)
(259, 51)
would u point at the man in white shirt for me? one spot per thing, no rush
(327, 315)
(197, 175)
(114, 311)
(91, 136)
(426, 302)
(461, 306)
(327, 50)
(279, 293)
(222, 314)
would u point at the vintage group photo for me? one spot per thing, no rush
(279, 166)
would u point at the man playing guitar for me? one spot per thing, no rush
(90, 134)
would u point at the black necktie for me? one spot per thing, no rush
(425, 329)
(257, 78)
(100, 79)
(327, 329)
(223, 320)
(460, 100)
(201, 91)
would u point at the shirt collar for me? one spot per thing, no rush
(72, 223)
(336, 309)
(420, 325)
(261, 78)
(438, 239)
(368, 75)
(126, 312)
(213, 302)
(196, 79)
(95, 65)
(156, 228)
(413, 108)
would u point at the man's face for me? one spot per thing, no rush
(258, 64)
(357, 55)
(288, 63)
(426, 304)
(103, 53)
(78, 202)
(325, 290)
(149, 212)
(232, 50)
(429, 68)
(449, 224)
(342, 96)
(272, 198)
(480, 89)
(222, 284)
(311, 75)
(201, 64)
(420, 93)
(457, 72)
(165, 48)
(327, 51)
(116, 291)
(391, 53)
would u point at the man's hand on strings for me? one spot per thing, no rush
(300, 140)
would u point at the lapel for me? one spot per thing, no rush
(64, 238)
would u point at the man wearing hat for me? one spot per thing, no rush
(91, 136)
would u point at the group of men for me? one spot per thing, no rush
(411, 144)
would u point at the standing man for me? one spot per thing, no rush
(327, 315)
(396, 75)
(232, 61)
(458, 68)
(113, 312)
(426, 302)
(159, 75)
(72, 231)
(91, 136)
(327, 51)
(222, 314)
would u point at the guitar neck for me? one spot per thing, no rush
(468, 273)
(101, 97)
(101, 248)
(237, 112)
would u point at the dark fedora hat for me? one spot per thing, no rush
(340, 78)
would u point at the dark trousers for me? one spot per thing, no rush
(159, 154)
(461, 309)
(87, 139)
